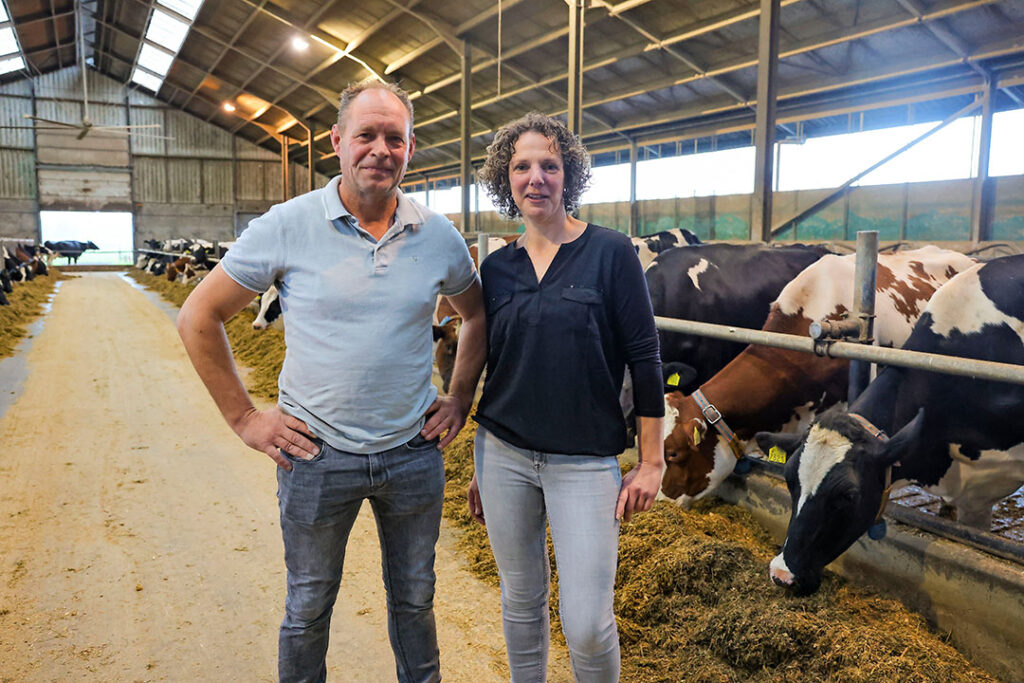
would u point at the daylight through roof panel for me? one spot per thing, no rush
(155, 59)
(8, 44)
(11, 64)
(3, 14)
(186, 8)
(146, 80)
(166, 31)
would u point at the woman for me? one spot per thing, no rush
(567, 309)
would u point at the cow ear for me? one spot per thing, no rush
(788, 442)
(438, 331)
(696, 430)
(677, 376)
(904, 440)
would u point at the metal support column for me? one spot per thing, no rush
(309, 159)
(465, 106)
(284, 168)
(981, 199)
(764, 120)
(634, 209)
(575, 67)
(866, 275)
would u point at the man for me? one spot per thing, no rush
(358, 267)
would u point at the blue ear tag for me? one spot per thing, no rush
(444, 321)
(742, 466)
(877, 531)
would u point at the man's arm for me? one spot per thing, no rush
(201, 326)
(449, 412)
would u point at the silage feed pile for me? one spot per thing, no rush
(260, 351)
(693, 598)
(27, 301)
(694, 603)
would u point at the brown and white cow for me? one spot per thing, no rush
(770, 389)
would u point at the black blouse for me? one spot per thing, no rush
(557, 349)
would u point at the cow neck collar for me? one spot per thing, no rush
(880, 435)
(714, 417)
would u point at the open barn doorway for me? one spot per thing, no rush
(111, 232)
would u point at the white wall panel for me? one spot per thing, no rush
(184, 181)
(12, 113)
(251, 180)
(147, 117)
(218, 182)
(17, 174)
(150, 177)
(195, 138)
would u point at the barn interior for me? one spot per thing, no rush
(133, 121)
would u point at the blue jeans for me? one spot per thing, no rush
(319, 501)
(577, 495)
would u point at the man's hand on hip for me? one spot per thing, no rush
(445, 413)
(270, 430)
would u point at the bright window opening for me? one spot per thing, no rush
(111, 232)
(11, 64)
(166, 31)
(186, 8)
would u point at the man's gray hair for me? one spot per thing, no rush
(354, 89)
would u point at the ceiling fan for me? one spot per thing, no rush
(86, 125)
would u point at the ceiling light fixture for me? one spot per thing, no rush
(228, 107)
(300, 44)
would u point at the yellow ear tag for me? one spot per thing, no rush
(696, 437)
(673, 380)
(776, 454)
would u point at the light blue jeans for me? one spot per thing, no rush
(577, 495)
(319, 501)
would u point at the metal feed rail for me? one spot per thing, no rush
(952, 365)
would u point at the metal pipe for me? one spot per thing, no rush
(952, 365)
(481, 248)
(866, 275)
(575, 66)
(764, 120)
(981, 195)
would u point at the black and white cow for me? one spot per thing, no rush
(648, 248)
(269, 309)
(70, 249)
(960, 438)
(728, 284)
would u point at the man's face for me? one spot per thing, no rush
(375, 145)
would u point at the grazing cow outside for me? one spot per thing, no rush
(766, 388)
(958, 437)
(648, 247)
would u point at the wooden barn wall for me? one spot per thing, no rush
(933, 212)
(202, 183)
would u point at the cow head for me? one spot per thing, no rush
(5, 280)
(836, 477)
(270, 309)
(447, 337)
(90, 245)
(697, 459)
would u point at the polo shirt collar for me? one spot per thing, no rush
(407, 215)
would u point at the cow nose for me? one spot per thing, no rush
(781, 576)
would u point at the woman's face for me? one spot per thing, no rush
(536, 176)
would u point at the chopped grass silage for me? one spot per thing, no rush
(26, 304)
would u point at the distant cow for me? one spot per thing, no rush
(766, 388)
(70, 249)
(269, 303)
(960, 438)
(448, 323)
(648, 247)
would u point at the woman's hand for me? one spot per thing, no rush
(639, 489)
(476, 506)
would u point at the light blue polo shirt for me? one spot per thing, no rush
(357, 312)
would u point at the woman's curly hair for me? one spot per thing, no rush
(575, 161)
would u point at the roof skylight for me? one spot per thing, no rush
(186, 8)
(164, 37)
(8, 43)
(10, 52)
